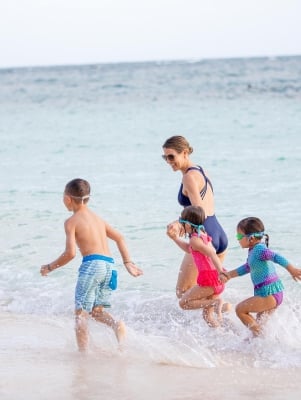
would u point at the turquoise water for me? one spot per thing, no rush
(107, 123)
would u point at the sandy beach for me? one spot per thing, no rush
(39, 363)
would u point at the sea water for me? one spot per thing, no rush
(106, 123)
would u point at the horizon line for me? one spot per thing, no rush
(148, 61)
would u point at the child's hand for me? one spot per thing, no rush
(44, 270)
(295, 272)
(223, 277)
(174, 230)
(133, 269)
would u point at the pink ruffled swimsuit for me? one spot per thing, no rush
(207, 273)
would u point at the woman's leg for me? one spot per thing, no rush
(258, 305)
(187, 275)
(222, 256)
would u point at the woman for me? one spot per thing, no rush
(196, 189)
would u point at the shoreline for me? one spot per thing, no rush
(40, 365)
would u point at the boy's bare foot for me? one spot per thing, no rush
(120, 331)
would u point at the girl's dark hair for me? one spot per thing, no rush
(194, 214)
(253, 225)
(79, 190)
(178, 143)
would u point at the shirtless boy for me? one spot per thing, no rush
(90, 233)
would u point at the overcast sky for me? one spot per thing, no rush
(52, 32)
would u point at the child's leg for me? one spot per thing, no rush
(217, 308)
(187, 276)
(208, 315)
(203, 297)
(257, 305)
(197, 297)
(118, 327)
(81, 329)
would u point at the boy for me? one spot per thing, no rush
(90, 234)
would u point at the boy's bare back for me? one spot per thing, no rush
(89, 231)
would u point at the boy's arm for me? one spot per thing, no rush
(122, 247)
(67, 255)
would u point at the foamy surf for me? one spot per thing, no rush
(39, 361)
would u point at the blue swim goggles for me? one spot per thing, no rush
(199, 228)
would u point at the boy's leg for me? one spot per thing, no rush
(104, 317)
(257, 305)
(81, 329)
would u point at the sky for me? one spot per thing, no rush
(64, 32)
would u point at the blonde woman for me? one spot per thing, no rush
(196, 189)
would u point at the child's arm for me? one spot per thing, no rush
(197, 244)
(268, 254)
(242, 270)
(174, 231)
(295, 272)
(183, 245)
(122, 247)
(67, 255)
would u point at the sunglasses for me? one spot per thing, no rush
(168, 157)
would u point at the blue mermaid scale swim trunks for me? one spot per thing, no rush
(93, 283)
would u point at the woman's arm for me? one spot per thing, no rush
(192, 188)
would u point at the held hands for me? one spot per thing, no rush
(223, 277)
(132, 268)
(175, 230)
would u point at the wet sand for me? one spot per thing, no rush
(41, 366)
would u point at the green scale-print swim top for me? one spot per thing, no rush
(260, 264)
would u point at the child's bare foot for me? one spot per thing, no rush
(218, 308)
(120, 331)
(226, 307)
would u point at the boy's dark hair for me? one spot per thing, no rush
(252, 225)
(194, 214)
(79, 190)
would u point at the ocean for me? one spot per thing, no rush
(106, 123)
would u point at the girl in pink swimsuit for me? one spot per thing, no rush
(206, 294)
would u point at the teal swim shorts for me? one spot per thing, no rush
(93, 283)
